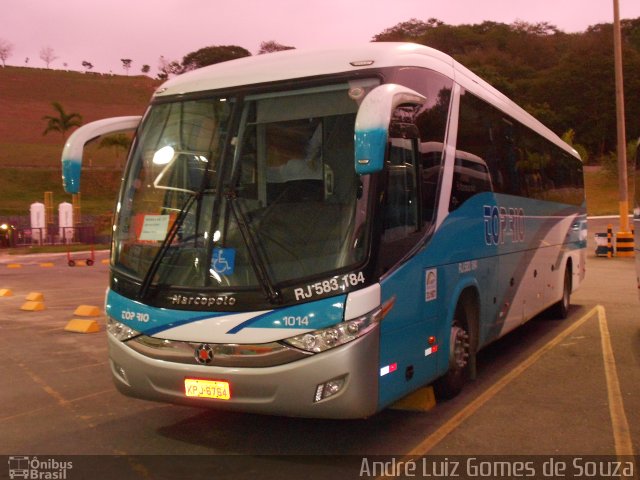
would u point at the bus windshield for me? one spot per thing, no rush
(244, 192)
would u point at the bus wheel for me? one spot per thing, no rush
(449, 385)
(561, 309)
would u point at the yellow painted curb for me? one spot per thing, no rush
(421, 400)
(46, 265)
(88, 311)
(35, 297)
(79, 325)
(32, 306)
(105, 261)
(5, 292)
(14, 265)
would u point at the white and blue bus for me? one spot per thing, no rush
(321, 233)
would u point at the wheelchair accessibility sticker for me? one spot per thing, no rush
(223, 261)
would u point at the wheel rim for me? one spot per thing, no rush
(459, 348)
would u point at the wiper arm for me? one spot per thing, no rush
(257, 262)
(166, 243)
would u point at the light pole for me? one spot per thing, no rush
(624, 234)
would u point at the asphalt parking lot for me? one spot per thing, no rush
(551, 389)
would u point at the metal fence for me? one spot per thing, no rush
(25, 236)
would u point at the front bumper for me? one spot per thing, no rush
(286, 390)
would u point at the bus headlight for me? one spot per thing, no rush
(120, 331)
(345, 332)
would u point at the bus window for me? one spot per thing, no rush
(401, 208)
(470, 176)
(294, 164)
(430, 170)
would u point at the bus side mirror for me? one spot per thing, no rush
(372, 124)
(74, 146)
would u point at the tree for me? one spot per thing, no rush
(47, 55)
(273, 46)
(540, 28)
(126, 64)
(211, 55)
(145, 69)
(167, 68)
(6, 49)
(62, 122)
(87, 65)
(411, 30)
(569, 137)
(119, 142)
(565, 80)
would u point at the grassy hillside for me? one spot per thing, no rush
(30, 162)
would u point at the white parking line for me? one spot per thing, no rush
(623, 444)
(621, 433)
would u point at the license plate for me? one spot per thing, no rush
(195, 387)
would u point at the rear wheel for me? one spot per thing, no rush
(460, 355)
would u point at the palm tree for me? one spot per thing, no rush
(63, 122)
(119, 142)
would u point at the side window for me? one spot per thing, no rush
(401, 225)
(497, 153)
(431, 121)
(470, 176)
(483, 138)
(401, 205)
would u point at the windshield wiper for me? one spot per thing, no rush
(166, 243)
(182, 214)
(257, 262)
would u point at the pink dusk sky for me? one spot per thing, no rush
(104, 31)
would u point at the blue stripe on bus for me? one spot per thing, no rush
(151, 320)
(309, 316)
(147, 319)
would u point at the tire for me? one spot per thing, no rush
(560, 310)
(460, 355)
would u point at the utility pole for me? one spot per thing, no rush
(624, 233)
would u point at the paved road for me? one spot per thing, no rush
(551, 388)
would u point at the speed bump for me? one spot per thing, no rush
(81, 325)
(35, 297)
(46, 264)
(88, 311)
(32, 306)
(14, 265)
(5, 292)
(422, 400)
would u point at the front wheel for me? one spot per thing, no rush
(451, 383)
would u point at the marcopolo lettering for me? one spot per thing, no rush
(502, 223)
(202, 300)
